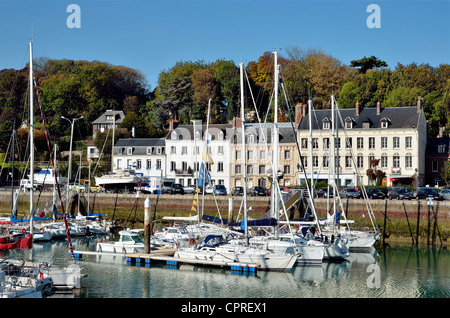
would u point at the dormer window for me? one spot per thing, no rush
(220, 135)
(385, 123)
(441, 148)
(174, 135)
(326, 123)
(130, 151)
(250, 138)
(366, 124)
(197, 135)
(349, 123)
(149, 150)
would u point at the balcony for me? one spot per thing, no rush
(184, 172)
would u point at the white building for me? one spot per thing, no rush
(185, 145)
(396, 136)
(145, 156)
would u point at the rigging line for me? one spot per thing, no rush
(368, 205)
(313, 208)
(15, 79)
(56, 178)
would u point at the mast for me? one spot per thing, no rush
(205, 157)
(311, 148)
(275, 189)
(31, 142)
(333, 156)
(244, 155)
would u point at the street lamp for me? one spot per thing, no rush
(72, 122)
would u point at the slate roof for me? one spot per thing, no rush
(433, 143)
(102, 119)
(399, 117)
(141, 144)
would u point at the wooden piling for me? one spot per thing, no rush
(147, 223)
(418, 221)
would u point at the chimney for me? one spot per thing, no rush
(357, 108)
(237, 122)
(304, 110)
(298, 114)
(419, 104)
(378, 108)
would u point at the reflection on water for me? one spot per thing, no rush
(404, 272)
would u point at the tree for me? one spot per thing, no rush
(445, 172)
(367, 63)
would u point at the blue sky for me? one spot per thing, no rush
(152, 36)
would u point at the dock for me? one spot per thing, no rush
(166, 256)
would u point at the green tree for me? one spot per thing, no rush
(367, 63)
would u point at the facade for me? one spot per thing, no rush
(438, 152)
(396, 136)
(185, 146)
(145, 156)
(259, 155)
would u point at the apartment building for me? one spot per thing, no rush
(186, 146)
(259, 154)
(145, 156)
(396, 137)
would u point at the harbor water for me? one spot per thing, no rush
(393, 272)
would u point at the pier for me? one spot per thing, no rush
(165, 256)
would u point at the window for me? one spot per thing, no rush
(366, 125)
(149, 150)
(262, 154)
(408, 142)
(305, 161)
(237, 169)
(384, 143)
(220, 135)
(184, 166)
(396, 142)
(348, 124)
(304, 143)
(138, 164)
(371, 159)
(315, 143)
(371, 142)
(287, 155)
(250, 139)
(384, 123)
(173, 135)
(325, 161)
(159, 150)
(441, 148)
(158, 164)
(360, 143)
(315, 161)
(184, 150)
(238, 154)
(326, 124)
(149, 164)
(396, 162)
(220, 150)
(287, 169)
(250, 169)
(173, 165)
(348, 142)
(360, 161)
(384, 162)
(119, 151)
(337, 141)
(262, 169)
(348, 161)
(326, 143)
(408, 161)
(220, 166)
(129, 151)
(129, 164)
(434, 166)
(119, 163)
(173, 150)
(250, 155)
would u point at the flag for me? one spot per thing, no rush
(243, 224)
(202, 174)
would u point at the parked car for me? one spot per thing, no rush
(237, 191)
(220, 189)
(176, 188)
(374, 193)
(257, 191)
(325, 193)
(445, 194)
(400, 193)
(78, 187)
(209, 189)
(350, 193)
(425, 193)
(190, 188)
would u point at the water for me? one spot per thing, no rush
(395, 272)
